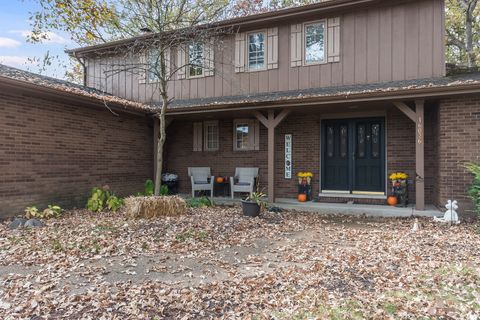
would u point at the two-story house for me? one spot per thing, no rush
(358, 89)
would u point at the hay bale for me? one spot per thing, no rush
(152, 207)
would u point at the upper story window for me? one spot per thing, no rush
(153, 65)
(315, 42)
(195, 59)
(256, 51)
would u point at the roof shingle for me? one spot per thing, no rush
(69, 87)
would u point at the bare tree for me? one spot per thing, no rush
(168, 26)
(463, 27)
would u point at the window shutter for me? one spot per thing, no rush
(181, 61)
(240, 52)
(296, 45)
(168, 69)
(333, 39)
(197, 136)
(272, 48)
(209, 62)
(142, 70)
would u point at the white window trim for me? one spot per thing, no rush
(206, 124)
(247, 53)
(188, 61)
(325, 43)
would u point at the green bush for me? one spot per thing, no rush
(114, 203)
(149, 188)
(474, 190)
(164, 190)
(199, 202)
(31, 212)
(52, 211)
(97, 200)
(102, 198)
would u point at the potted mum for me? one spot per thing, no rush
(305, 186)
(399, 187)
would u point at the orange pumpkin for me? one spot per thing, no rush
(302, 197)
(392, 200)
(219, 179)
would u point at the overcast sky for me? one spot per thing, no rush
(15, 51)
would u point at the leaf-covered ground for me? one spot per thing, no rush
(214, 263)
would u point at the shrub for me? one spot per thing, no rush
(149, 188)
(474, 190)
(52, 211)
(164, 190)
(101, 198)
(151, 207)
(114, 203)
(97, 200)
(200, 202)
(31, 212)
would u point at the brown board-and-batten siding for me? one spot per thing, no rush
(379, 44)
(53, 151)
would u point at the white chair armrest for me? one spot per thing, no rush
(212, 180)
(192, 180)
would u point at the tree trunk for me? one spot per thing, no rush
(160, 144)
(469, 19)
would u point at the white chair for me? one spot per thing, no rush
(244, 180)
(201, 179)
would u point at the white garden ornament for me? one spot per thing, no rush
(451, 215)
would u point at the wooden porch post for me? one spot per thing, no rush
(417, 117)
(271, 122)
(420, 155)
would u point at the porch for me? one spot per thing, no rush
(352, 209)
(401, 147)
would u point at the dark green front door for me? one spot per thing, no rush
(353, 155)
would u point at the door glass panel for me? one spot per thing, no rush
(361, 141)
(376, 140)
(343, 141)
(330, 139)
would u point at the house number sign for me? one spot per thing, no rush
(288, 156)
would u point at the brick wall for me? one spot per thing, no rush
(179, 153)
(458, 143)
(306, 151)
(55, 153)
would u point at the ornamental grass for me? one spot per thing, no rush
(152, 207)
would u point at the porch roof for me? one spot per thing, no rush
(394, 90)
(28, 80)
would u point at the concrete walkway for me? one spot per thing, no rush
(344, 208)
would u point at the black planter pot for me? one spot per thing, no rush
(250, 208)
